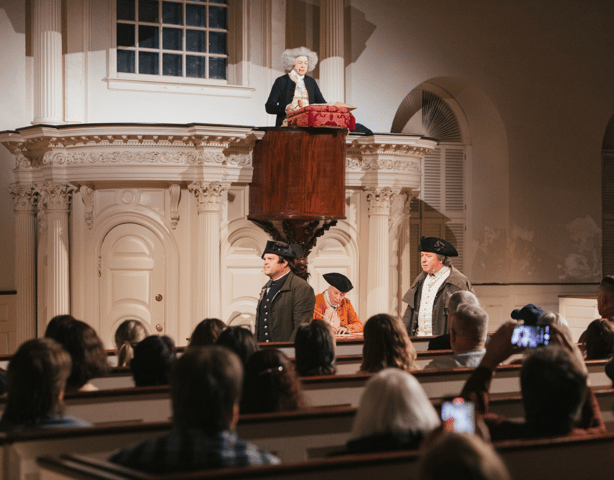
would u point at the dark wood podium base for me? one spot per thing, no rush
(298, 185)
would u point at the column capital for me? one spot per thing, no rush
(56, 196)
(25, 197)
(380, 200)
(208, 195)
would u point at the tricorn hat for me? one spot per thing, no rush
(438, 246)
(282, 249)
(340, 282)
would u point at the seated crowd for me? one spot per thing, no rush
(223, 372)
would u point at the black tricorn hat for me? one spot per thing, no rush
(340, 282)
(282, 249)
(438, 246)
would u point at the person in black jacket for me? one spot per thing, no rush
(295, 89)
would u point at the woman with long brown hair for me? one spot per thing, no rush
(386, 344)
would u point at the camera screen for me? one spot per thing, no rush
(462, 412)
(531, 336)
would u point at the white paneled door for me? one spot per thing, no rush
(132, 280)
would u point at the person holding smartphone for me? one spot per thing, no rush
(555, 393)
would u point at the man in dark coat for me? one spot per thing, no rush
(295, 88)
(427, 297)
(286, 300)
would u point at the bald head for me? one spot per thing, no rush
(605, 298)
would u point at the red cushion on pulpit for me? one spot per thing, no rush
(322, 116)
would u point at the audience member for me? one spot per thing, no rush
(36, 376)
(599, 339)
(553, 382)
(239, 340)
(205, 392)
(55, 324)
(271, 385)
(127, 335)
(468, 332)
(461, 457)
(605, 302)
(394, 414)
(207, 332)
(153, 360)
(89, 358)
(442, 342)
(386, 344)
(551, 318)
(314, 349)
(529, 314)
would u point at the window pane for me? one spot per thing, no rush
(225, 2)
(171, 39)
(125, 35)
(196, 41)
(172, 13)
(125, 10)
(171, 65)
(196, 66)
(196, 15)
(148, 63)
(148, 11)
(217, 42)
(125, 61)
(148, 37)
(217, 17)
(217, 68)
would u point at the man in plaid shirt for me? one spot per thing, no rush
(205, 389)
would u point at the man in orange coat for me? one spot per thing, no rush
(333, 307)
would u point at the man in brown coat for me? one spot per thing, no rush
(427, 297)
(286, 300)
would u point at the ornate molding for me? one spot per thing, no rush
(56, 196)
(87, 196)
(25, 197)
(380, 200)
(175, 192)
(208, 195)
(389, 164)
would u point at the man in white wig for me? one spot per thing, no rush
(295, 89)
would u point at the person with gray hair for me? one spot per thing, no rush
(442, 342)
(468, 332)
(295, 89)
(394, 414)
(551, 318)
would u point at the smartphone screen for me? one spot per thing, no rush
(531, 336)
(462, 413)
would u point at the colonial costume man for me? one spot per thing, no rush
(332, 306)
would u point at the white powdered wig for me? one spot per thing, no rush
(288, 58)
(394, 402)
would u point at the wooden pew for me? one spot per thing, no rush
(152, 404)
(537, 459)
(292, 436)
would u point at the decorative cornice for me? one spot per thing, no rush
(25, 197)
(388, 164)
(208, 195)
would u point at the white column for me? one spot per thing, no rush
(25, 198)
(56, 198)
(405, 251)
(332, 69)
(47, 53)
(209, 294)
(378, 296)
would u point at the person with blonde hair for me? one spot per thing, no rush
(386, 344)
(127, 336)
(295, 89)
(394, 414)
